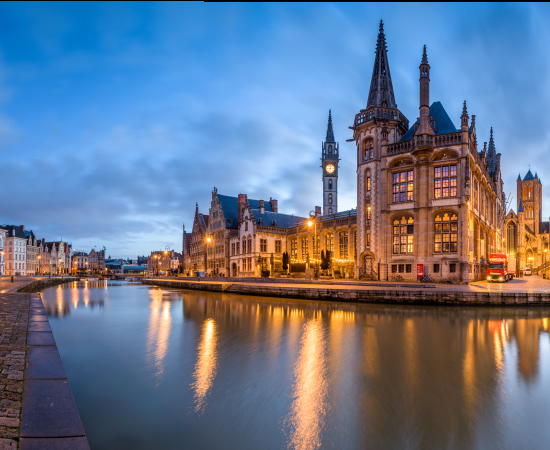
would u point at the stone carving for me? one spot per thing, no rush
(402, 162)
(445, 155)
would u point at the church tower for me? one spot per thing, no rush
(530, 198)
(329, 164)
(379, 124)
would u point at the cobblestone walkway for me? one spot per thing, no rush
(14, 318)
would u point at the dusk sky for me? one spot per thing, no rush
(115, 118)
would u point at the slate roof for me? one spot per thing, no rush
(19, 233)
(520, 207)
(283, 220)
(443, 123)
(528, 176)
(544, 227)
(230, 208)
(204, 220)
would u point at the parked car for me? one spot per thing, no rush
(527, 271)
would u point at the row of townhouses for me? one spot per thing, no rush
(429, 201)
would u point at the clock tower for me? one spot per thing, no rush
(329, 164)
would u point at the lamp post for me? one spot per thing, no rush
(39, 266)
(166, 251)
(313, 221)
(208, 239)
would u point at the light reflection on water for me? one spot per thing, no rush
(152, 368)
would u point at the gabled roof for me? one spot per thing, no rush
(443, 123)
(282, 220)
(204, 220)
(19, 233)
(230, 208)
(528, 176)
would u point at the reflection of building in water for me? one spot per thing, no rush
(527, 333)
(206, 366)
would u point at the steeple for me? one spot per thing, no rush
(330, 132)
(492, 154)
(519, 177)
(424, 125)
(381, 88)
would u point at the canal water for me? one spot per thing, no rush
(156, 368)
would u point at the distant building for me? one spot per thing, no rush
(16, 250)
(3, 234)
(33, 252)
(197, 249)
(44, 261)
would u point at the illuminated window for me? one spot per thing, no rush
(316, 244)
(368, 212)
(329, 242)
(403, 186)
(304, 248)
(368, 239)
(445, 181)
(293, 249)
(330, 210)
(446, 233)
(330, 198)
(263, 245)
(277, 246)
(403, 235)
(343, 242)
(368, 184)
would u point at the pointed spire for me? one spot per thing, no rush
(381, 88)
(464, 110)
(519, 177)
(520, 207)
(330, 132)
(492, 154)
(424, 56)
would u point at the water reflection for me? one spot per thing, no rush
(159, 330)
(205, 368)
(75, 295)
(309, 408)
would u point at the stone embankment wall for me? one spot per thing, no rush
(38, 285)
(389, 295)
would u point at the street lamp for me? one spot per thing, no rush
(39, 266)
(208, 240)
(313, 221)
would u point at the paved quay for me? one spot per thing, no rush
(37, 408)
(533, 290)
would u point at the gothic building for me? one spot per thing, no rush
(526, 234)
(427, 200)
(329, 164)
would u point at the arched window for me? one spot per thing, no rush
(244, 245)
(403, 235)
(330, 184)
(316, 244)
(330, 198)
(330, 210)
(343, 242)
(249, 244)
(304, 248)
(293, 248)
(368, 149)
(330, 151)
(329, 241)
(446, 233)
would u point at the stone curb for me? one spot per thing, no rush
(49, 417)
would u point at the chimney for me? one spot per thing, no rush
(22, 227)
(261, 206)
(274, 207)
(317, 211)
(241, 203)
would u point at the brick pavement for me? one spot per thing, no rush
(14, 318)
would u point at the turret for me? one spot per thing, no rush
(424, 125)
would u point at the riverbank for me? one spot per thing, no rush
(37, 408)
(385, 293)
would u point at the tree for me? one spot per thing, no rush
(285, 261)
(324, 261)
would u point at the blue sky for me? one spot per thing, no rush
(115, 118)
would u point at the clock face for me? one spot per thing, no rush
(329, 168)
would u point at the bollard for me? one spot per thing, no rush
(12, 278)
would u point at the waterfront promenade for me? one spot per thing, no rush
(37, 409)
(533, 290)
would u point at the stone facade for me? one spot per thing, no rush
(425, 195)
(329, 165)
(196, 258)
(16, 250)
(527, 235)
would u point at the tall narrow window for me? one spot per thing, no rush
(330, 210)
(368, 149)
(368, 213)
(277, 246)
(343, 241)
(403, 235)
(244, 245)
(445, 181)
(368, 184)
(330, 198)
(249, 244)
(304, 248)
(368, 239)
(446, 233)
(316, 243)
(330, 184)
(329, 242)
(403, 186)
(263, 245)
(293, 249)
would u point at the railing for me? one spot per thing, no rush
(417, 141)
(381, 113)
